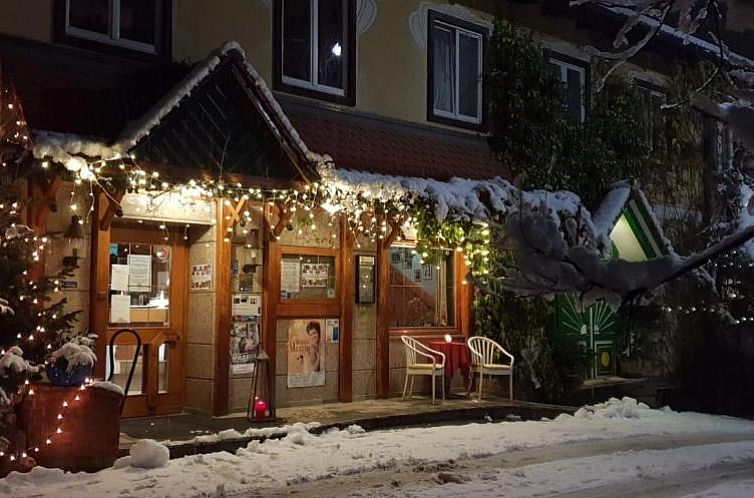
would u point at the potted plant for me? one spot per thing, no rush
(72, 363)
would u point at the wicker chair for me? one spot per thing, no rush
(483, 351)
(414, 348)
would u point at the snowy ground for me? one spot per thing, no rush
(615, 449)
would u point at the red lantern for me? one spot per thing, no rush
(260, 408)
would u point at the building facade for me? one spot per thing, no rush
(385, 87)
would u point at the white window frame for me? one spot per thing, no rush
(456, 114)
(313, 83)
(113, 38)
(563, 68)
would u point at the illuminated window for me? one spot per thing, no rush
(421, 295)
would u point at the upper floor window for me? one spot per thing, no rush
(315, 47)
(455, 56)
(652, 99)
(135, 25)
(573, 73)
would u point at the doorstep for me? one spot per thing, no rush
(182, 433)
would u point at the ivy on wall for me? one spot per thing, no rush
(532, 133)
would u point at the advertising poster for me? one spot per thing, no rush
(306, 353)
(244, 346)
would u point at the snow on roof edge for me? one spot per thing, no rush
(687, 38)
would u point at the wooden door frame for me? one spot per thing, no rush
(102, 236)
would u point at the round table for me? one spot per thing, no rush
(456, 358)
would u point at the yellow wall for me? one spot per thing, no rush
(27, 19)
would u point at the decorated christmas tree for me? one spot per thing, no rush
(33, 322)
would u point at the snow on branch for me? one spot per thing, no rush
(556, 245)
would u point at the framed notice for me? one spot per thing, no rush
(201, 277)
(365, 279)
(139, 273)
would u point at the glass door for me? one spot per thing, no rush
(147, 293)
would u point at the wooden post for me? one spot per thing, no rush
(222, 315)
(382, 330)
(270, 298)
(347, 298)
(98, 281)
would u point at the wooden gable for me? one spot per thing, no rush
(225, 126)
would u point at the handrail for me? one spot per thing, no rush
(133, 363)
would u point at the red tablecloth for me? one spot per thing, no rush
(456, 357)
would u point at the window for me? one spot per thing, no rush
(652, 100)
(573, 74)
(455, 57)
(307, 276)
(421, 295)
(135, 25)
(315, 48)
(139, 285)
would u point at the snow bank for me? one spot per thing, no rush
(261, 433)
(145, 454)
(302, 456)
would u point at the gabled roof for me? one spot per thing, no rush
(625, 198)
(221, 100)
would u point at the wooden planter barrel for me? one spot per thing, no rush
(90, 426)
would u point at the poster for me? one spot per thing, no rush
(246, 305)
(290, 275)
(139, 273)
(314, 274)
(120, 308)
(119, 278)
(201, 277)
(244, 346)
(306, 353)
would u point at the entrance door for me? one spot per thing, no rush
(148, 272)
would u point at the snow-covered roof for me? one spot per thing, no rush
(616, 200)
(62, 147)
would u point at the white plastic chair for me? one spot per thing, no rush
(483, 352)
(434, 369)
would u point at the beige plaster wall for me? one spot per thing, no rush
(30, 19)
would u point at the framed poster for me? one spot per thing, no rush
(244, 346)
(306, 353)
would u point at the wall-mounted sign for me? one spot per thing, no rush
(201, 277)
(186, 207)
(246, 305)
(365, 279)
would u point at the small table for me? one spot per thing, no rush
(456, 358)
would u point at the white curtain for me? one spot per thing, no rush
(444, 68)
